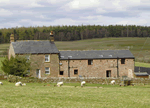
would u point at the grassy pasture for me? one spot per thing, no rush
(36, 95)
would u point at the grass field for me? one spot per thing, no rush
(35, 95)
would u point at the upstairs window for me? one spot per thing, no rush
(47, 70)
(47, 58)
(122, 61)
(90, 62)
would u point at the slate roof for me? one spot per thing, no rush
(34, 46)
(96, 54)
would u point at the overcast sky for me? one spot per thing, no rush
(73, 12)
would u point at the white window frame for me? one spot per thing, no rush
(47, 58)
(47, 70)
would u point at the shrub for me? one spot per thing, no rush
(16, 66)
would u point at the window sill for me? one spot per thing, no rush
(47, 62)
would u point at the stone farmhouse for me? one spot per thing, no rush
(48, 61)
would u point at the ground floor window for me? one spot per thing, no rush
(108, 73)
(76, 72)
(61, 73)
(47, 70)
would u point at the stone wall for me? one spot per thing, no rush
(98, 68)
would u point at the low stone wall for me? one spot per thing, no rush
(92, 80)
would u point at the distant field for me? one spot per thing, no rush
(134, 45)
(35, 95)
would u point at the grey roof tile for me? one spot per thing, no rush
(34, 46)
(96, 54)
(141, 73)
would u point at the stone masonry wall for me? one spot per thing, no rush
(98, 68)
(38, 62)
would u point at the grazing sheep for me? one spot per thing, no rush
(1, 83)
(59, 84)
(24, 84)
(82, 83)
(113, 82)
(18, 84)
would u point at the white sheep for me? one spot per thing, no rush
(24, 84)
(82, 83)
(60, 84)
(1, 83)
(113, 82)
(18, 84)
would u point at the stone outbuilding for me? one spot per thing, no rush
(48, 61)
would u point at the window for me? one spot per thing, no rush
(76, 72)
(47, 58)
(61, 73)
(108, 73)
(90, 62)
(47, 70)
(122, 61)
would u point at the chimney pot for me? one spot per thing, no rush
(51, 36)
(12, 37)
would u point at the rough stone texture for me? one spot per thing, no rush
(98, 68)
(11, 51)
(38, 62)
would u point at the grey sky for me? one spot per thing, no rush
(73, 12)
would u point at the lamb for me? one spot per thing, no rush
(82, 83)
(18, 84)
(1, 83)
(113, 82)
(59, 84)
(24, 84)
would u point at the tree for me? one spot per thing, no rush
(16, 65)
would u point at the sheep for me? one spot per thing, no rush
(113, 82)
(59, 84)
(82, 83)
(24, 84)
(18, 84)
(1, 83)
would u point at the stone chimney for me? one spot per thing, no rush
(51, 36)
(12, 38)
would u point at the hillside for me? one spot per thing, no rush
(135, 45)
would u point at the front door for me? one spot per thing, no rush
(108, 73)
(38, 73)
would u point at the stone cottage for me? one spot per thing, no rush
(48, 61)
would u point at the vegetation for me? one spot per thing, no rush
(71, 33)
(36, 95)
(15, 66)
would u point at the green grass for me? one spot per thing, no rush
(142, 64)
(38, 96)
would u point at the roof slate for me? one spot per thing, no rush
(96, 54)
(34, 46)
(141, 73)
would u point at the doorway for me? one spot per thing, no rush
(108, 73)
(38, 73)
